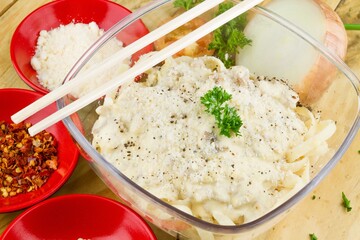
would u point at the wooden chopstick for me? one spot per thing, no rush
(132, 48)
(141, 67)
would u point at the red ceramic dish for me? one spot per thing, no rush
(79, 216)
(12, 100)
(55, 13)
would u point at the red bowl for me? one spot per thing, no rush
(11, 101)
(79, 216)
(52, 15)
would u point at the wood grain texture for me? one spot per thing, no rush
(332, 3)
(5, 5)
(323, 215)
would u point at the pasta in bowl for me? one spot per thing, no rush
(168, 144)
(214, 152)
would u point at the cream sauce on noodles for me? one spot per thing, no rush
(158, 133)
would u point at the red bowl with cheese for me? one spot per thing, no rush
(63, 12)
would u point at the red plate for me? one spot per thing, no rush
(104, 13)
(12, 100)
(79, 216)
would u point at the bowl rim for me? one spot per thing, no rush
(55, 187)
(12, 42)
(278, 210)
(82, 197)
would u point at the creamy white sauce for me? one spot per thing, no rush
(159, 135)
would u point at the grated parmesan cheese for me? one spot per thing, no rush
(58, 50)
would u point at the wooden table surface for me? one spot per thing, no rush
(324, 216)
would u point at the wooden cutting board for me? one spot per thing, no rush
(323, 216)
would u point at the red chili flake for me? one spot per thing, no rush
(26, 162)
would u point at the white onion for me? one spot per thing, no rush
(276, 52)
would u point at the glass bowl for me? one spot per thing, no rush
(338, 101)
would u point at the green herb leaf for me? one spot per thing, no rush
(226, 39)
(227, 119)
(352, 26)
(313, 236)
(229, 37)
(186, 4)
(214, 98)
(346, 202)
(230, 122)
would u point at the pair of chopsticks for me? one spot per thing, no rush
(138, 68)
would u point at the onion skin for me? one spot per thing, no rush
(316, 78)
(323, 72)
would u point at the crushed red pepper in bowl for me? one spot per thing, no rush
(26, 162)
(67, 152)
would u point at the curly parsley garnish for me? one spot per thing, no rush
(227, 119)
(229, 37)
(313, 236)
(346, 202)
(186, 4)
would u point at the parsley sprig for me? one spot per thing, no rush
(227, 119)
(229, 37)
(346, 202)
(313, 236)
(186, 4)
